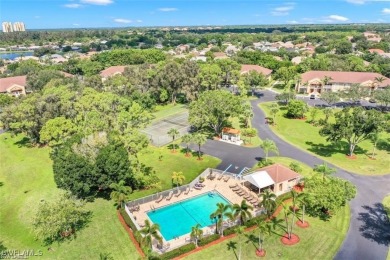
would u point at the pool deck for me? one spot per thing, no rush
(210, 185)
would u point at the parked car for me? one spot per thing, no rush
(371, 100)
(312, 96)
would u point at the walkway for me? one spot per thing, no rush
(368, 236)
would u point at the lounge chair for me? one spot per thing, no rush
(187, 191)
(226, 178)
(220, 177)
(236, 188)
(170, 195)
(198, 187)
(240, 192)
(178, 193)
(159, 199)
(233, 186)
(247, 196)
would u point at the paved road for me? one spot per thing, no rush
(368, 236)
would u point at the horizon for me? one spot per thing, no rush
(79, 14)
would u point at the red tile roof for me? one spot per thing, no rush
(344, 77)
(280, 173)
(230, 130)
(246, 68)
(5, 83)
(111, 71)
(379, 51)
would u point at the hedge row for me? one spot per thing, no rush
(229, 231)
(130, 224)
(206, 240)
(176, 252)
(282, 198)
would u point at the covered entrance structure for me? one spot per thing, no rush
(259, 180)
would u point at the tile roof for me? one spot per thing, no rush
(5, 83)
(279, 173)
(230, 130)
(245, 68)
(344, 77)
(379, 51)
(111, 71)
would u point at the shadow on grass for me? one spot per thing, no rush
(232, 246)
(24, 142)
(252, 239)
(330, 149)
(375, 224)
(1, 183)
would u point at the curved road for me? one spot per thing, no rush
(368, 236)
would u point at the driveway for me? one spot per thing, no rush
(368, 236)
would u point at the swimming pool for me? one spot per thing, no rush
(178, 219)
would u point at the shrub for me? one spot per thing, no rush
(283, 197)
(264, 163)
(208, 239)
(295, 167)
(252, 221)
(296, 109)
(229, 231)
(176, 252)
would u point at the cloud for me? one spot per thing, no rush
(338, 18)
(292, 22)
(167, 9)
(73, 5)
(120, 20)
(76, 24)
(139, 21)
(283, 10)
(386, 11)
(97, 2)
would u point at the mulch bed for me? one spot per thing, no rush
(302, 225)
(261, 253)
(289, 242)
(353, 157)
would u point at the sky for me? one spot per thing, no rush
(51, 14)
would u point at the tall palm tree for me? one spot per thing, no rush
(120, 192)
(264, 230)
(199, 139)
(178, 178)
(269, 146)
(241, 211)
(187, 139)
(218, 215)
(149, 232)
(268, 201)
(302, 201)
(240, 232)
(173, 132)
(196, 234)
(324, 169)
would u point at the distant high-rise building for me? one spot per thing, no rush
(19, 27)
(16, 27)
(7, 27)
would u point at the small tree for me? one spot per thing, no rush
(240, 231)
(148, 233)
(173, 132)
(296, 109)
(327, 112)
(187, 139)
(242, 211)
(247, 115)
(330, 97)
(199, 139)
(249, 132)
(285, 97)
(120, 192)
(178, 178)
(313, 114)
(324, 169)
(196, 233)
(374, 137)
(268, 201)
(268, 145)
(274, 109)
(295, 167)
(264, 229)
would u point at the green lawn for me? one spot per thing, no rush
(386, 203)
(320, 241)
(305, 136)
(162, 111)
(26, 178)
(254, 142)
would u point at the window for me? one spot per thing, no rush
(280, 186)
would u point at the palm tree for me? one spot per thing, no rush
(187, 139)
(242, 211)
(289, 225)
(222, 210)
(149, 232)
(120, 192)
(196, 233)
(374, 139)
(178, 178)
(240, 232)
(173, 133)
(268, 201)
(247, 115)
(302, 201)
(268, 145)
(264, 230)
(199, 139)
(324, 169)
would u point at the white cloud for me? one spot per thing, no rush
(283, 10)
(139, 21)
(76, 24)
(167, 9)
(120, 20)
(386, 11)
(97, 2)
(292, 22)
(73, 5)
(337, 18)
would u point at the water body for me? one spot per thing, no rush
(13, 55)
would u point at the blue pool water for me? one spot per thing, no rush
(178, 219)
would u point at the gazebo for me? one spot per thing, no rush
(260, 179)
(231, 134)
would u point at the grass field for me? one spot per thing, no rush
(26, 178)
(320, 241)
(386, 203)
(304, 135)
